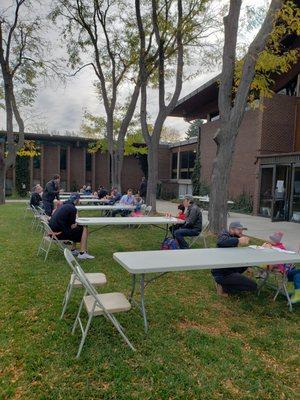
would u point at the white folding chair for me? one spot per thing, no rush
(96, 278)
(48, 238)
(193, 239)
(147, 211)
(106, 304)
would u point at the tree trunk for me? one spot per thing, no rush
(152, 174)
(2, 182)
(219, 179)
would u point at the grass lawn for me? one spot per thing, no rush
(199, 346)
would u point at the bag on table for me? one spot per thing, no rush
(169, 244)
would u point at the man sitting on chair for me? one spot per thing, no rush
(193, 222)
(232, 280)
(126, 200)
(63, 223)
(36, 198)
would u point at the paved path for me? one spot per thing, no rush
(258, 227)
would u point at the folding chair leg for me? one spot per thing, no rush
(47, 251)
(287, 296)
(84, 334)
(204, 241)
(67, 298)
(78, 315)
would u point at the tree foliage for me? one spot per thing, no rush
(193, 129)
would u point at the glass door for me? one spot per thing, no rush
(266, 190)
(295, 195)
(281, 193)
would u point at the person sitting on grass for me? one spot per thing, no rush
(292, 274)
(193, 222)
(36, 198)
(63, 223)
(232, 280)
(126, 200)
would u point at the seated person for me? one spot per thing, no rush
(114, 196)
(36, 198)
(102, 192)
(181, 212)
(193, 222)
(88, 190)
(292, 274)
(63, 223)
(82, 190)
(180, 215)
(128, 200)
(232, 280)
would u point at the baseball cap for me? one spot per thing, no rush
(74, 196)
(189, 197)
(236, 225)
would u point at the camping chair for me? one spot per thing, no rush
(95, 278)
(193, 239)
(48, 238)
(106, 304)
(277, 280)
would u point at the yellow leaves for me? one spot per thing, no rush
(30, 149)
(275, 59)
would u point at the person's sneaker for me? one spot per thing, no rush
(85, 256)
(296, 297)
(75, 252)
(220, 291)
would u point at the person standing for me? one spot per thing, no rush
(143, 188)
(50, 193)
(232, 280)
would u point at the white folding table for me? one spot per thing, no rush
(101, 207)
(159, 222)
(205, 199)
(140, 263)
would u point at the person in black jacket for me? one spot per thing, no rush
(35, 198)
(143, 188)
(63, 223)
(193, 222)
(50, 193)
(232, 280)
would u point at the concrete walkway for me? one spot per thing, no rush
(258, 227)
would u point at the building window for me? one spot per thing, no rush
(37, 162)
(88, 162)
(63, 159)
(187, 161)
(174, 165)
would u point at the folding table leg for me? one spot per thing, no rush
(143, 302)
(132, 287)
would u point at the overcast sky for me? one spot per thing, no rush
(60, 107)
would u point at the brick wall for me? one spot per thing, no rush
(164, 163)
(101, 169)
(51, 162)
(278, 125)
(77, 166)
(131, 173)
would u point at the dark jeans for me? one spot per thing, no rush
(294, 276)
(180, 233)
(123, 213)
(48, 207)
(235, 283)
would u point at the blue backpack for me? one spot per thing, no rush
(169, 244)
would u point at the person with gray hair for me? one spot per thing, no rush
(193, 222)
(232, 280)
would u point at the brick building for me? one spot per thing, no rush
(68, 156)
(266, 162)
